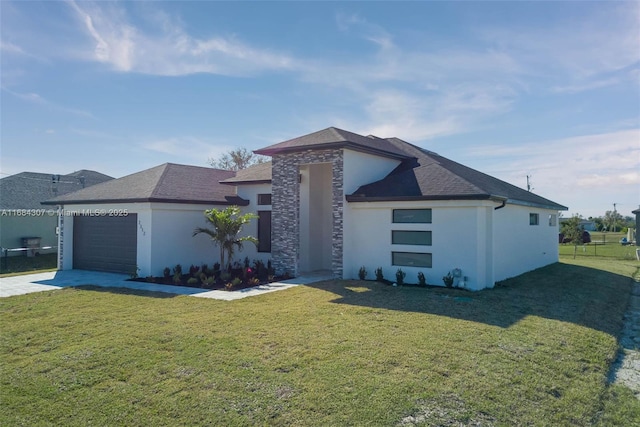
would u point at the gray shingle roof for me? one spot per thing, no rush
(27, 190)
(170, 183)
(335, 138)
(429, 176)
(256, 174)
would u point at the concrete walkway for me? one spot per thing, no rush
(39, 282)
(626, 369)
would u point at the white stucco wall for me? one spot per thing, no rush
(164, 236)
(361, 168)
(315, 217)
(461, 238)
(521, 247)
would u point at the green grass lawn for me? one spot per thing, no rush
(535, 351)
(602, 245)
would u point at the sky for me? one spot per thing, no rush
(549, 90)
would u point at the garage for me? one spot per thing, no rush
(105, 243)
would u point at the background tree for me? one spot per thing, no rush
(612, 220)
(226, 226)
(240, 158)
(572, 232)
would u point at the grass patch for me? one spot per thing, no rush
(9, 266)
(603, 245)
(534, 351)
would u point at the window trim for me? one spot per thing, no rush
(534, 218)
(429, 254)
(395, 221)
(425, 232)
(263, 246)
(261, 202)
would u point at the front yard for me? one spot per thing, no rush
(533, 352)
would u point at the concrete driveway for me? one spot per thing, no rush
(26, 284)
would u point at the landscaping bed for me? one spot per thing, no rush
(238, 276)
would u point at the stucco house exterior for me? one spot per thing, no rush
(22, 214)
(332, 200)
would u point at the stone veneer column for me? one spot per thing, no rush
(285, 219)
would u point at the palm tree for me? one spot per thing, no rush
(227, 224)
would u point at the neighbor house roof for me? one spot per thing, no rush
(335, 138)
(169, 183)
(429, 176)
(27, 190)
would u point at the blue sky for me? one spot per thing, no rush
(546, 89)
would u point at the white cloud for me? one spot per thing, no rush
(586, 172)
(169, 51)
(39, 100)
(191, 150)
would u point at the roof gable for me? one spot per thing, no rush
(257, 174)
(170, 183)
(335, 138)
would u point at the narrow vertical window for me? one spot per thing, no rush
(264, 231)
(553, 221)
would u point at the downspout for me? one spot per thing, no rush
(502, 201)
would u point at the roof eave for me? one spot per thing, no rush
(356, 198)
(247, 182)
(335, 145)
(229, 201)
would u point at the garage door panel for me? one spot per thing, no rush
(105, 243)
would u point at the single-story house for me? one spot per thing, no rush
(331, 200)
(22, 215)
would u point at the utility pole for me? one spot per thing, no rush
(614, 217)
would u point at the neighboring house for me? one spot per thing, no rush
(331, 200)
(585, 224)
(22, 214)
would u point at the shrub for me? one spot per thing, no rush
(362, 273)
(193, 270)
(261, 270)
(233, 284)
(177, 278)
(271, 272)
(254, 281)
(448, 280)
(209, 281)
(166, 273)
(400, 275)
(204, 269)
(422, 281)
(177, 269)
(379, 274)
(225, 276)
(192, 281)
(151, 279)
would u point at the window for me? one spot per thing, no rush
(534, 219)
(264, 199)
(411, 259)
(402, 237)
(264, 231)
(421, 216)
(553, 220)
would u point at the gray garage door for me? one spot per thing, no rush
(105, 243)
